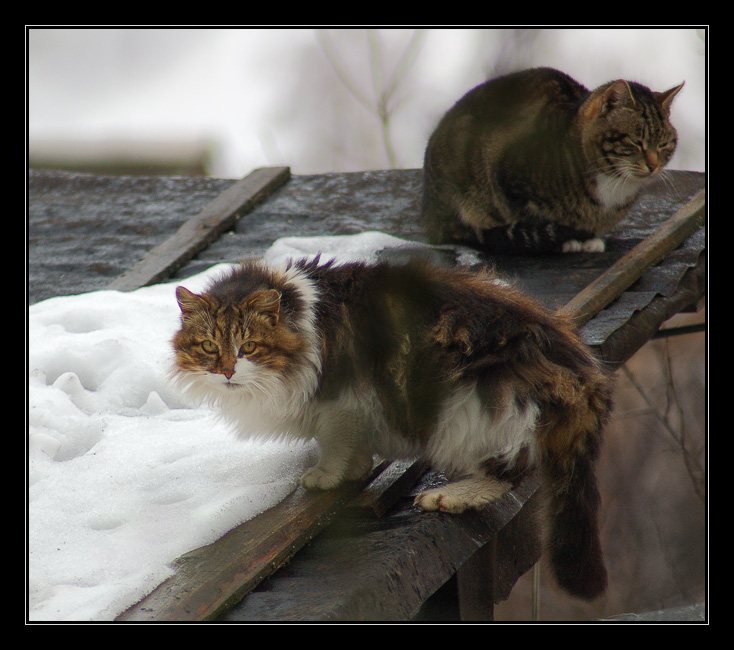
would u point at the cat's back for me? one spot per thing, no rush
(415, 296)
(516, 97)
(473, 136)
(434, 320)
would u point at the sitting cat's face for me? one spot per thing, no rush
(626, 131)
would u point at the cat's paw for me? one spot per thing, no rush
(317, 478)
(439, 500)
(462, 495)
(571, 246)
(595, 245)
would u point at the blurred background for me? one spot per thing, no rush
(221, 102)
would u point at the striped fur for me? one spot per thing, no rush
(535, 162)
(448, 365)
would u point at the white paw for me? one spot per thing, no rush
(317, 478)
(439, 500)
(468, 493)
(595, 245)
(571, 246)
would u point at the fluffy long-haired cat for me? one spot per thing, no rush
(409, 360)
(535, 162)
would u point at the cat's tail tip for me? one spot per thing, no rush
(573, 544)
(577, 560)
(586, 580)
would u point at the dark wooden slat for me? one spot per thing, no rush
(364, 568)
(620, 276)
(209, 580)
(397, 478)
(476, 579)
(198, 232)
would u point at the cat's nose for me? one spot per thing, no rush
(227, 365)
(227, 369)
(651, 160)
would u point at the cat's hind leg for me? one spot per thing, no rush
(472, 492)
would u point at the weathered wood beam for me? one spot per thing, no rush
(200, 231)
(627, 270)
(209, 580)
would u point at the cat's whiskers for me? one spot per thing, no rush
(615, 181)
(667, 179)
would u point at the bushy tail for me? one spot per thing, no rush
(572, 544)
(570, 442)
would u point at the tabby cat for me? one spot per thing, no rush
(534, 162)
(409, 360)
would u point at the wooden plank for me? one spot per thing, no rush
(382, 494)
(476, 584)
(622, 274)
(364, 568)
(198, 232)
(209, 580)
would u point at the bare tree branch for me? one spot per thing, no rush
(382, 106)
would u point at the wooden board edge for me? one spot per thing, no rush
(201, 230)
(209, 580)
(628, 269)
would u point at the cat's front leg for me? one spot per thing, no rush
(343, 458)
(336, 467)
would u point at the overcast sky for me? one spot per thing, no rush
(306, 98)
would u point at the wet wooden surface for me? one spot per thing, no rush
(369, 568)
(85, 231)
(374, 557)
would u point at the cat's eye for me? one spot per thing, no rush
(210, 347)
(248, 347)
(629, 146)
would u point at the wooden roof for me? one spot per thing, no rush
(84, 231)
(377, 559)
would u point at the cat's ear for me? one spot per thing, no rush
(602, 100)
(618, 94)
(187, 300)
(666, 98)
(267, 302)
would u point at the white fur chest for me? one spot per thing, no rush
(616, 192)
